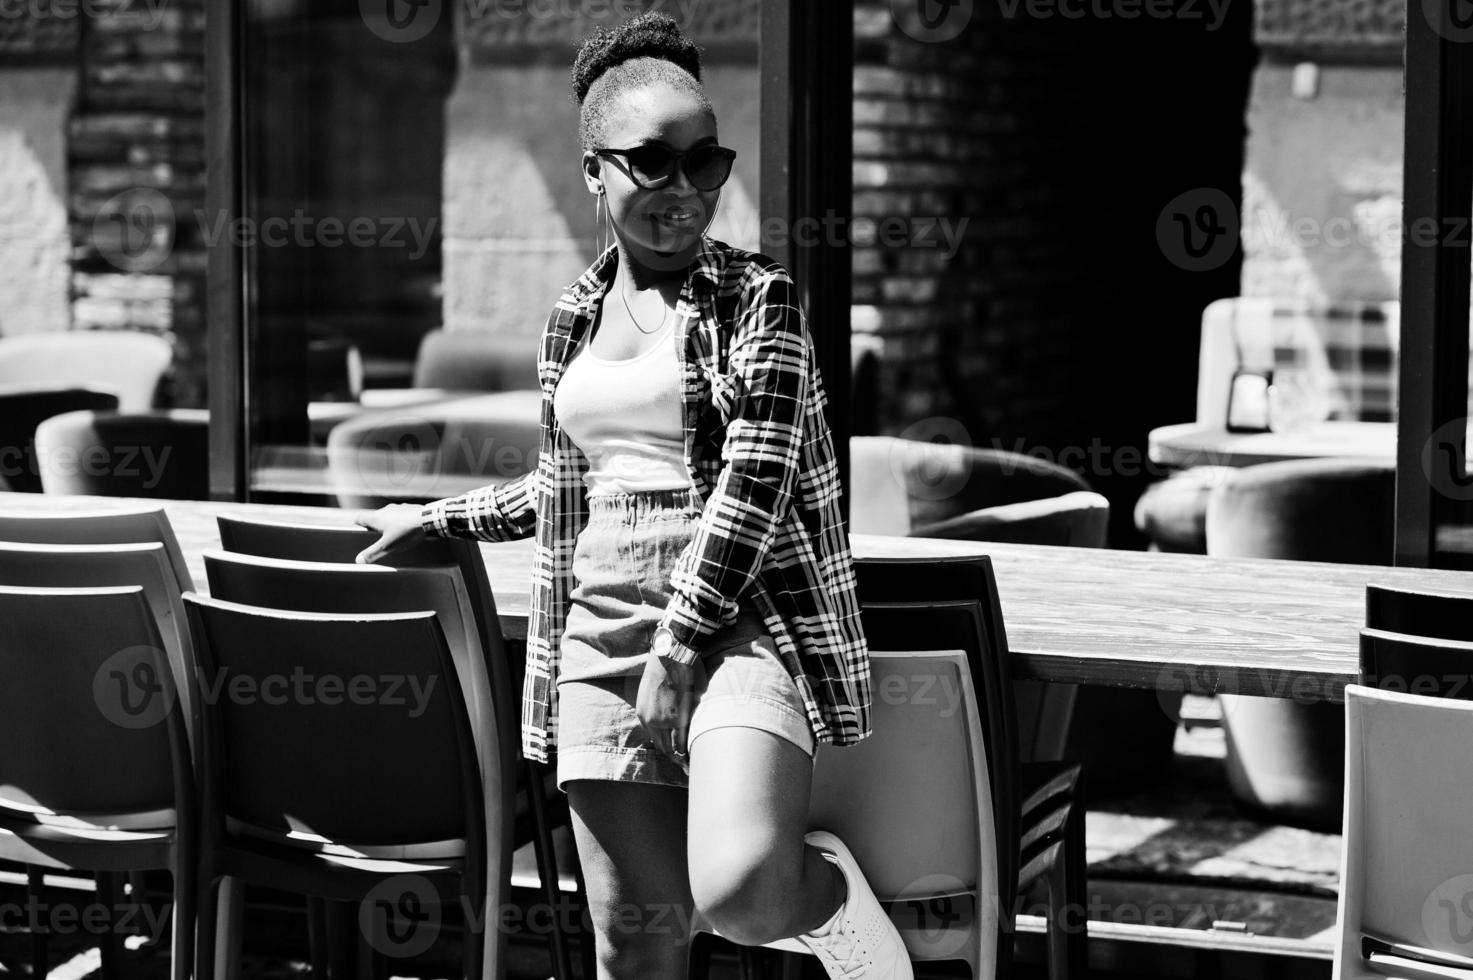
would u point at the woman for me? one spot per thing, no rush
(702, 633)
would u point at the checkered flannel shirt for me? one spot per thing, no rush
(759, 453)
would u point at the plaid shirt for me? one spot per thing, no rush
(759, 453)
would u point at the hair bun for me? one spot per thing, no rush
(650, 35)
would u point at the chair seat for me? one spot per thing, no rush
(440, 850)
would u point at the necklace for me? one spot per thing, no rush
(664, 312)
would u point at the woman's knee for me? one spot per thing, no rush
(747, 895)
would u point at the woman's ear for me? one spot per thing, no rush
(593, 173)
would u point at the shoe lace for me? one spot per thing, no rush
(842, 950)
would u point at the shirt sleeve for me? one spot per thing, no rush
(503, 512)
(770, 360)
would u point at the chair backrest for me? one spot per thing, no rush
(425, 452)
(1079, 519)
(341, 543)
(22, 410)
(127, 362)
(1446, 615)
(131, 525)
(90, 731)
(1338, 510)
(1421, 665)
(1349, 348)
(66, 566)
(914, 802)
(323, 587)
(472, 360)
(162, 454)
(899, 485)
(322, 730)
(1406, 870)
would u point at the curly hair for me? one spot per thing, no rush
(646, 50)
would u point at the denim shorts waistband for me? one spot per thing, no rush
(638, 505)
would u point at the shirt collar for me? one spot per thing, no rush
(708, 266)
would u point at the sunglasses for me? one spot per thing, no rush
(651, 166)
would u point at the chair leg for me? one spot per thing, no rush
(318, 940)
(181, 920)
(230, 915)
(547, 874)
(751, 963)
(36, 899)
(110, 943)
(1068, 936)
(477, 937)
(206, 925)
(342, 940)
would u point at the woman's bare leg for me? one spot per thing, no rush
(631, 844)
(751, 875)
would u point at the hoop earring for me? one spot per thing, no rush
(598, 205)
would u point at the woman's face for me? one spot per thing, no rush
(668, 221)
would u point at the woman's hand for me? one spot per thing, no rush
(667, 698)
(398, 525)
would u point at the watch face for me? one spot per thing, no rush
(664, 640)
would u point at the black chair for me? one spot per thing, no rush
(95, 775)
(161, 454)
(537, 812)
(372, 800)
(22, 410)
(1448, 616)
(1418, 642)
(1038, 807)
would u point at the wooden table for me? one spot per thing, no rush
(1118, 618)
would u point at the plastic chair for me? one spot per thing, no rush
(162, 454)
(128, 363)
(1285, 758)
(1441, 614)
(95, 776)
(337, 588)
(22, 409)
(537, 812)
(1038, 808)
(1405, 876)
(473, 360)
(63, 566)
(131, 525)
(406, 454)
(372, 800)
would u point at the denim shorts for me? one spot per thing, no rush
(622, 562)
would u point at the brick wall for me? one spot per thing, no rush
(135, 155)
(1058, 326)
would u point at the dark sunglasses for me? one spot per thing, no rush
(651, 166)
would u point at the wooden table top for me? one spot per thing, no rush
(1120, 618)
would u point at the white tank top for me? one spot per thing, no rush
(626, 416)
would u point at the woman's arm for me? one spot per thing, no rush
(499, 513)
(771, 357)
(503, 512)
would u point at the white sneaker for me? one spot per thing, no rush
(864, 942)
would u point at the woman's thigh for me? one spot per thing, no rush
(631, 844)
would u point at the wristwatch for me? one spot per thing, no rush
(665, 646)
